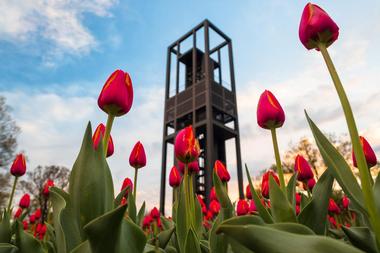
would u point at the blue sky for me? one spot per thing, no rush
(56, 55)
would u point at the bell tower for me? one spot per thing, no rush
(200, 91)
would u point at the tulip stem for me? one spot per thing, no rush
(12, 194)
(365, 176)
(107, 134)
(135, 184)
(278, 161)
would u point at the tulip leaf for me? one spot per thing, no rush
(205, 248)
(140, 215)
(67, 231)
(192, 242)
(281, 209)
(7, 248)
(218, 243)
(263, 212)
(291, 190)
(84, 247)
(164, 237)
(182, 225)
(244, 220)
(131, 238)
(5, 228)
(120, 196)
(25, 242)
(338, 166)
(376, 192)
(362, 238)
(268, 239)
(198, 225)
(131, 207)
(90, 184)
(151, 249)
(314, 213)
(103, 231)
(221, 192)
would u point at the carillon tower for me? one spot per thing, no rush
(200, 91)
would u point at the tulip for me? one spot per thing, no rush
(298, 209)
(174, 177)
(209, 215)
(265, 182)
(40, 231)
(147, 221)
(123, 201)
(269, 111)
(213, 194)
(155, 214)
(24, 201)
(98, 136)
(248, 192)
(116, 96)
(345, 202)
(214, 207)
(332, 221)
(221, 171)
(252, 206)
(18, 213)
(49, 183)
(200, 200)
(37, 214)
(310, 184)
(137, 158)
(18, 169)
(333, 207)
(242, 207)
(186, 147)
(267, 203)
(127, 183)
(303, 168)
(25, 225)
(370, 156)
(32, 219)
(298, 198)
(192, 167)
(316, 26)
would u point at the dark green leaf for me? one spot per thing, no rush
(362, 238)
(132, 207)
(5, 228)
(140, 215)
(291, 190)
(131, 238)
(218, 243)
(164, 237)
(281, 209)
(7, 248)
(120, 196)
(181, 225)
(192, 242)
(25, 242)
(84, 247)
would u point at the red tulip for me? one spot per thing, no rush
(123, 201)
(311, 184)
(317, 26)
(200, 200)
(127, 183)
(24, 201)
(210, 214)
(116, 96)
(345, 202)
(18, 213)
(332, 221)
(155, 214)
(98, 136)
(147, 221)
(303, 168)
(370, 156)
(269, 111)
(298, 209)
(186, 147)
(221, 171)
(174, 177)
(298, 198)
(265, 182)
(214, 207)
(49, 183)
(18, 167)
(252, 206)
(248, 192)
(25, 225)
(333, 207)
(192, 167)
(40, 231)
(37, 214)
(242, 207)
(213, 194)
(137, 159)
(32, 219)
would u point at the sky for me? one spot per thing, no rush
(56, 56)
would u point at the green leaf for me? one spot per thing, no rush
(376, 192)
(67, 230)
(338, 166)
(84, 247)
(205, 248)
(25, 242)
(164, 237)
(198, 225)
(103, 231)
(132, 207)
(131, 238)
(181, 220)
(140, 215)
(192, 242)
(119, 197)
(281, 209)
(170, 249)
(263, 212)
(362, 238)
(90, 184)
(314, 213)
(244, 220)
(221, 192)
(266, 239)
(291, 190)
(5, 228)
(218, 243)
(151, 249)
(7, 248)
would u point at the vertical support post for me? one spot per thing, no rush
(236, 124)
(177, 70)
(220, 68)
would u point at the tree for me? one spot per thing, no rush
(8, 144)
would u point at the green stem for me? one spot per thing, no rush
(107, 134)
(186, 189)
(12, 194)
(278, 162)
(135, 184)
(191, 198)
(365, 176)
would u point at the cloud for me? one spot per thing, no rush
(58, 23)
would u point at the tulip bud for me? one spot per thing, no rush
(25, 225)
(40, 231)
(18, 167)
(49, 183)
(186, 147)
(174, 177)
(98, 136)
(127, 183)
(332, 221)
(303, 168)
(221, 171)
(248, 193)
(345, 202)
(298, 209)
(214, 207)
(116, 96)
(137, 159)
(18, 213)
(24, 201)
(370, 156)
(333, 207)
(37, 214)
(252, 206)
(155, 214)
(269, 111)
(298, 198)
(265, 182)
(192, 167)
(147, 221)
(210, 215)
(32, 219)
(311, 184)
(213, 194)
(317, 26)
(242, 207)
